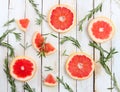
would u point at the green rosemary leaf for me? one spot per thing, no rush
(54, 35)
(115, 84)
(7, 45)
(40, 16)
(17, 36)
(26, 45)
(9, 22)
(41, 53)
(89, 15)
(73, 40)
(64, 53)
(27, 87)
(66, 86)
(48, 68)
(6, 33)
(9, 78)
(104, 57)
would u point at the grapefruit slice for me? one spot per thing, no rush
(61, 18)
(23, 23)
(22, 68)
(50, 80)
(79, 65)
(101, 29)
(40, 44)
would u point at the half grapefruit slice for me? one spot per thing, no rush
(50, 80)
(79, 65)
(40, 44)
(22, 68)
(61, 18)
(101, 29)
(23, 23)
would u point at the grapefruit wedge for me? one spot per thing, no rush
(61, 18)
(101, 29)
(23, 23)
(22, 68)
(79, 66)
(50, 80)
(40, 44)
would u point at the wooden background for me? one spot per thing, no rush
(98, 82)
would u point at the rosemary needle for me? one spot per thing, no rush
(40, 16)
(105, 56)
(27, 87)
(90, 15)
(66, 86)
(9, 77)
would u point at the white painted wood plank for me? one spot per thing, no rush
(69, 50)
(16, 10)
(51, 60)
(3, 54)
(31, 52)
(100, 73)
(82, 10)
(116, 40)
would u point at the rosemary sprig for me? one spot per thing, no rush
(26, 46)
(7, 45)
(66, 86)
(6, 33)
(89, 15)
(40, 16)
(48, 68)
(9, 78)
(104, 57)
(27, 87)
(50, 34)
(73, 40)
(9, 22)
(64, 53)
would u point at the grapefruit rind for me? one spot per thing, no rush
(101, 19)
(27, 78)
(19, 25)
(68, 29)
(50, 84)
(34, 45)
(70, 57)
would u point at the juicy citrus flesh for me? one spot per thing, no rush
(101, 29)
(22, 68)
(24, 22)
(48, 48)
(79, 66)
(50, 79)
(39, 40)
(61, 18)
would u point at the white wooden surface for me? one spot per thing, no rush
(98, 82)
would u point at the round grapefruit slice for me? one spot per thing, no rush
(101, 29)
(50, 80)
(61, 18)
(40, 44)
(22, 68)
(23, 23)
(79, 65)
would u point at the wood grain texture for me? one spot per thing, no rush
(98, 82)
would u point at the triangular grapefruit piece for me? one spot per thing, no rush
(50, 80)
(23, 23)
